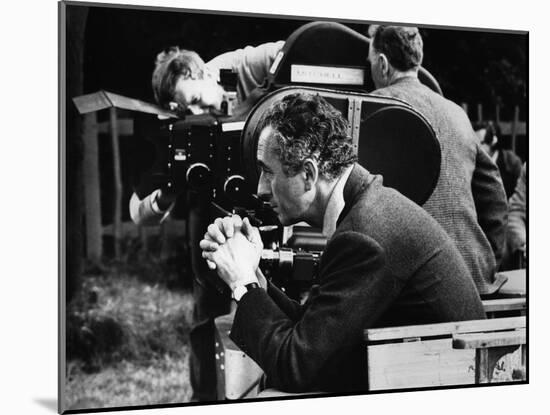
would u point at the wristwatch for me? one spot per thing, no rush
(241, 290)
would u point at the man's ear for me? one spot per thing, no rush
(310, 173)
(384, 64)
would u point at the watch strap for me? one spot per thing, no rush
(241, 290)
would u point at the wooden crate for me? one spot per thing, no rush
(424, 356)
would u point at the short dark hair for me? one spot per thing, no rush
(307, 126)
(402, 45)
(170, 65)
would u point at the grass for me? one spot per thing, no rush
(125, 384)
(127, 341)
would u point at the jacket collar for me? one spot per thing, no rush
(335, 204)
(358, 180)
(406, 79)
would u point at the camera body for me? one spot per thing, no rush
(201, 153)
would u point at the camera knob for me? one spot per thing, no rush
(235, 188)
(198, 176)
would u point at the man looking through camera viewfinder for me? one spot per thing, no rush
(386, 263)
(182, 82)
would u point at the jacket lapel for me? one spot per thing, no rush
(358, 180)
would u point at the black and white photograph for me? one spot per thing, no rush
(262, 207)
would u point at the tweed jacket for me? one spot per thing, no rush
(388, 263)
(469, 199)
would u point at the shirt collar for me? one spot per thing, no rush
(335, 204)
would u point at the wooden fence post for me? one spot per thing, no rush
(465, 107)
(117, 211)
(479, 112)
(92, 194)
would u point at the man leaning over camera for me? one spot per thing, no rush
(386, 263)
(183, 82)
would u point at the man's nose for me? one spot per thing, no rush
(264, 191)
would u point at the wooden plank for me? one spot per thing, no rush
(125, 127)
(419, 364)
(117, 178)
(479, 112)
(428, 363)
(516, 284)
(92, 102)
(484, 366)
(504, 304)
(241, 373)
(487, 340)
(507, 128)
(120, 101)
(104, 99)
(439, 329)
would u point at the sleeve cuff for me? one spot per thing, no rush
(154, 205)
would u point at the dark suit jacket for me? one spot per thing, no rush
(469, 200)
(388, 263)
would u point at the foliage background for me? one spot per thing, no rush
(471, 65)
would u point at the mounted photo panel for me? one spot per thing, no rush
(265, 207)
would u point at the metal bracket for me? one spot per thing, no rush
(354, 121)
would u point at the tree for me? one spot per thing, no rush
(75, 25)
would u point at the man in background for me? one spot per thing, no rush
(517, 224)
(469, 200)
(508, 163)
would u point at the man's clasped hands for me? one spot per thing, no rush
(233, 247)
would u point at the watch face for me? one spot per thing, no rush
(239, 291)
